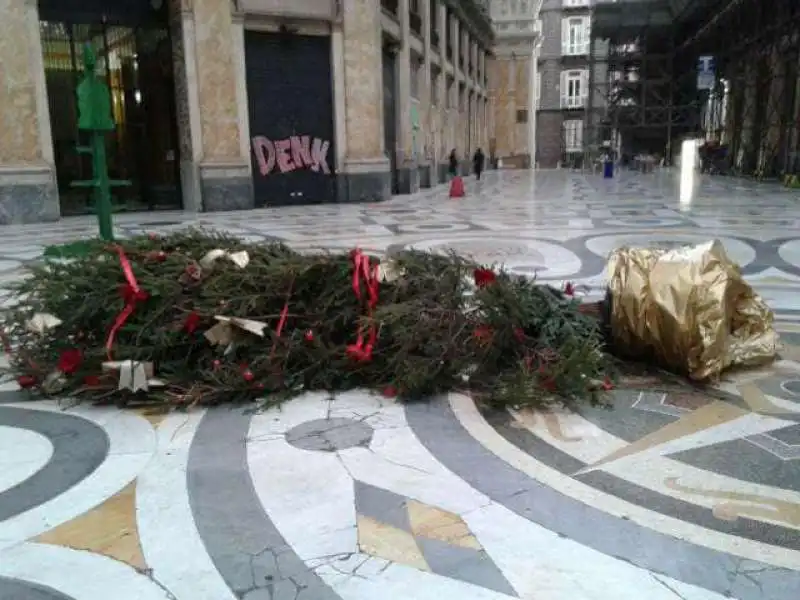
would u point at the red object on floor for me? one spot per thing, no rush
(457, 187)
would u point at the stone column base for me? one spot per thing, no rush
(408, 179)
(425, 177)
(28, 195)
(223, 187)
(364, 181)
(442, 171)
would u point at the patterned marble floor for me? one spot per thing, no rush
(670, 495)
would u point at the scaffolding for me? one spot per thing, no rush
(644, 95)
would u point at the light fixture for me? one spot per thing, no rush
(156, 4)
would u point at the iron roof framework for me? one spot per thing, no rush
(645, 87)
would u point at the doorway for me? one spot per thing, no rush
(290, 96)
(389, 60)
(134, 59)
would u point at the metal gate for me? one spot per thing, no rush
(290, 97)
(134, 51)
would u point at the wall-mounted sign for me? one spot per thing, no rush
(706, 73)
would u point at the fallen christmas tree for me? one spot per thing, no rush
(203, 318)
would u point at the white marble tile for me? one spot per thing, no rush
(77, 574)
(22, 453)
(474, 423)
(131, 447)
(164, 518)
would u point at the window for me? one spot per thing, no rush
(574, 3)
(573, 135)
(575, 36)
(538, 87)
(522, 115)
(574, 88)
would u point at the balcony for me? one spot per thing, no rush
(391, 7)
(573, 102)
(415, 23)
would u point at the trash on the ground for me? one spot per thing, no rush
(689, 309)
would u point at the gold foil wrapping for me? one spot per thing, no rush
(689, 309)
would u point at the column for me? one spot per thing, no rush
(511, 106)
(28, 191)
(426, 109)
(407, 172)
(476, 96)
(359, 72)
(533, 104)
(440, 153)
(215, 160)
(455, 114)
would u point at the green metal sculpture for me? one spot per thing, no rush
(94, 116)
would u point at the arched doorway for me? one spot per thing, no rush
(132, 41)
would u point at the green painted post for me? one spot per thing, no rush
(94, 116)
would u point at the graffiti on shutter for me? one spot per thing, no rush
(291, 154)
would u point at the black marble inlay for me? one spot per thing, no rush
(79, 447)
(228, 193)
(374, 186)
(28, 203)
(408, 180)
(15, 589)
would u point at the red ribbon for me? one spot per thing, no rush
(282, 321)
(369, 274)
(131, 293)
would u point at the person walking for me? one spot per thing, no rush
(453, 160)
(477, 163)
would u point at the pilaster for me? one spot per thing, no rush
(426, 107)
(455, 113)
(215, 156)
(366, 175)
(407, 175)
(28, 190)
(440, 153)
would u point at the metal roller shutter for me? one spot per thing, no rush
(290, 96)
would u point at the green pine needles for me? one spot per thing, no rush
(427, 324)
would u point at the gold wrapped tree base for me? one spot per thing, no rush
(689, 309)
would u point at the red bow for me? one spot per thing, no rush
(369, 274)
(131, 293)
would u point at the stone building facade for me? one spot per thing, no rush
(567, 76)
(512, 79)
(556, 36)
(234, 104)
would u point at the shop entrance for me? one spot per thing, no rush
(134, 56)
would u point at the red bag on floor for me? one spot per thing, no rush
(457, 187)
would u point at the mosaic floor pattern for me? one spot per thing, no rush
(673, 494)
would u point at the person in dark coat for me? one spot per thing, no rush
(453, 160)
(477, 163)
